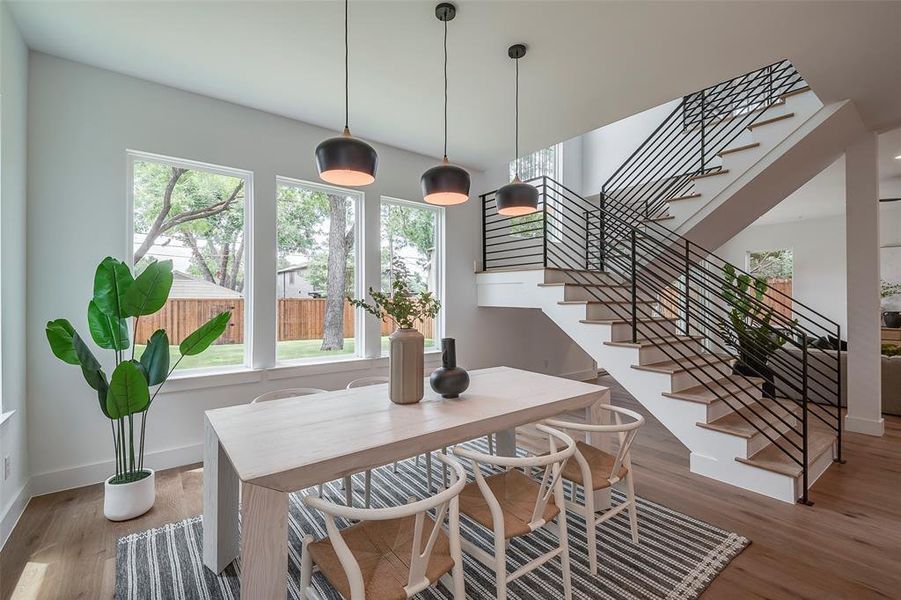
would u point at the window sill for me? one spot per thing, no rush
(213, 378)
(337, 365)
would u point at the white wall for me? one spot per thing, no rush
(819, 255)
(606, 148)
(818, 251)
(13, 443)
(81, 122)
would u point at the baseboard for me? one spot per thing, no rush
(14, 512)
(67, 479)
(865, 426)
(583, 375)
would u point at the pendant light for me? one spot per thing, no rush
(346, 160)
(517, 198)
(445, 184)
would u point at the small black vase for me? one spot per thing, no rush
(449, 380)
(891, 318)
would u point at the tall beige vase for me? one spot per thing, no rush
(406, 366)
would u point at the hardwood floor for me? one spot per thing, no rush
(848, 545)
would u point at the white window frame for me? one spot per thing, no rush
(247, 176)
(439, 212)
(358, 287)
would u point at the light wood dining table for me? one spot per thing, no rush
(273, 448)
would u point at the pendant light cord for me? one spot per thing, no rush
(516, 127)
(445, 90)
(346, 76)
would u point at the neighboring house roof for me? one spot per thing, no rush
(185, 286)
(299, 267)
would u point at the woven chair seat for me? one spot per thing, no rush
(600, 464)
(383, 550)
(516, 494)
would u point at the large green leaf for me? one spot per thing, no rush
(128, 391)
(155, 359)
(60, 335)
(111, 282)
(108, 332)
(205, 335)
(97, 380)
(150, 289)
(86, 358)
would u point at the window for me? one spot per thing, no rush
(411, 248)
(318, 253)
(194, 215)
(775, 267)
(545, 162)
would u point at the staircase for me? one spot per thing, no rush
(752, 393)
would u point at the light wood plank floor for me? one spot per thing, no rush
(848, 545)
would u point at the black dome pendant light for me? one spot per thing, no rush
(346, 160)
(517, 198)
(446, 184)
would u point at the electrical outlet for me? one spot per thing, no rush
(7, 467)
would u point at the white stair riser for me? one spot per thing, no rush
(622, 332)
(768, 483)
(817, 467)
(556, 276)
(618, 311)
(703, 374)
(652, 354)
(615, 294)
(720, 408)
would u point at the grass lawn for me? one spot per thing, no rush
(224, 355)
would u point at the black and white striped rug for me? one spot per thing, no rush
(677, 556)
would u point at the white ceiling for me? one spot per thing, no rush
(589, 64)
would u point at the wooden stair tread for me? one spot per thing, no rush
(688, 197)
(639, 301)
(709, 174)
(800, 90)
(684, 364)
(623, 321)
(648, 342)
(770, 121)
(738, 149)
(773, 459)
(702, 395)
(660, 218)
(735, 424)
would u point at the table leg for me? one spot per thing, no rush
(505, 442)
(220, 504)
(264, 543)
(595, 415)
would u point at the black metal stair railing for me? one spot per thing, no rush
(692, 298)
(688, 142)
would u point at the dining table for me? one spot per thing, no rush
(255, 455)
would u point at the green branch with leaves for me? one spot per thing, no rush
(119, 296)
(401, 305)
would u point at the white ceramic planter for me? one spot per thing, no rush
(129, 500)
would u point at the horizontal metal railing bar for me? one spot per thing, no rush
(672, 351)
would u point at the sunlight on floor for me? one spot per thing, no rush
(29, 584)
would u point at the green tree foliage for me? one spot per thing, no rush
(771, 264)
(407, 228)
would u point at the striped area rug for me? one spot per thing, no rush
(677, 556)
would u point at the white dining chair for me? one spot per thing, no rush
(511, 504)
(593, 470)
(367, 481)
(389, 553)
(291, 393)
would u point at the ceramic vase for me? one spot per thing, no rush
(449, 380)
(405, 371)
(123, 501)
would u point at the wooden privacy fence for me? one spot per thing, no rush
(671, 306)
(298, 319)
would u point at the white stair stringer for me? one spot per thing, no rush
(790, 153)
(715, 454)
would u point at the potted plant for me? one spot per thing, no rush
(890, 318)
(746, 326)
(118, 297)
(406, 367)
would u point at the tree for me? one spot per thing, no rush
(407, 227)
(340, 244)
